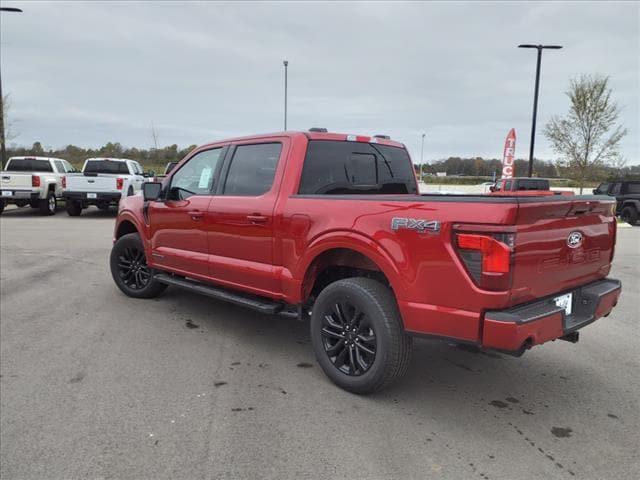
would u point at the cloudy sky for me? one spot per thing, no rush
(89, 73)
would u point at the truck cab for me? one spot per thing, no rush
(627, 195)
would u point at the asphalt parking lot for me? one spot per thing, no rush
(98, 385)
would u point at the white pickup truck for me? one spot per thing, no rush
(102, 183)
(35, 181)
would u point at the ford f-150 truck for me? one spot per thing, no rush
(102, 183)
(331, 228)
(34, 181)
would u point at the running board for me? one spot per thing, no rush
(255, 303)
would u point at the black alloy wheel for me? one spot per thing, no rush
(132, 268)
(348, 338)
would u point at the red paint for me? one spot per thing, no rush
(268, 244)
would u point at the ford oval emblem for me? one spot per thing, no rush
(574, 240)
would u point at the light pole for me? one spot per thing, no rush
(422, 157)
(286, 65)
(3, 151)
(535, 97)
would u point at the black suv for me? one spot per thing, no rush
(627, 193)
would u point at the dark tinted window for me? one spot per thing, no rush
(533, 185)
(252, 169)
(29, 165)
(507, 185)
(633, 188)
(616, 189)
(603, 188)
(106, 166)
(336, 167)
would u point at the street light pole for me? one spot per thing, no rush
(3, 151)
(535, 97)
(422, 158)
(286, 64)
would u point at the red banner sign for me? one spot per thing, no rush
(508, 168)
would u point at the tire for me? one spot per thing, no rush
(49, 205)
(34, 203)
(103, 206)
(74, 209)
(129, 268)
(629, 214)
(370, 308)
(1, 206)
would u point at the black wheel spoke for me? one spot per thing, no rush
(339, 345)
(365, 349)
(352, 362)
(361, 364)
(330, 333)
(133, 268)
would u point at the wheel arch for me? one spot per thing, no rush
(344, 256)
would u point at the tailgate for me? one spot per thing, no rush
(15, 181)
(561, 244)
(92, 183)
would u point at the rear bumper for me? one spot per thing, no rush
(19, 195)
(104, 197)
(518, 328)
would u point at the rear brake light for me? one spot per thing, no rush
(35, 181)
(487, 258)
(119, 183)
(64, 182)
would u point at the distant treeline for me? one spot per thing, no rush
(472, 167)
(150, 158)
(480, 167)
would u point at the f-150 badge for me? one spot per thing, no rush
(421, 226)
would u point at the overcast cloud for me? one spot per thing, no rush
(89, 73)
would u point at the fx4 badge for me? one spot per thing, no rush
(421, 226)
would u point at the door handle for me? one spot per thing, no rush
(258, 219)
(196, 215)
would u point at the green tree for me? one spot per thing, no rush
(588, 137)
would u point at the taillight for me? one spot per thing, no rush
(119, 183)
(64, 182)
(488, 258)
(35, 181)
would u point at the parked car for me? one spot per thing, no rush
(102, 183)
(34, 181)
(627, 195)
(331, 228)
(525, 186)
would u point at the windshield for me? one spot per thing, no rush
(339, 167)
(105, 166)
(28, 165)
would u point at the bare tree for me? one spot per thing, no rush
(587, 138)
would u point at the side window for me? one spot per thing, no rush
(507, 185)
(197, 176)
(59, 166)
(616, 189)
(139, 169)
(252, 169)
(633, 188)
(603, 188)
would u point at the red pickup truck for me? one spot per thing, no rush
(331, 228)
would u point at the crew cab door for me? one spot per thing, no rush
(241, 236)
(178, 224)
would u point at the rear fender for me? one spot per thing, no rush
(351, 241)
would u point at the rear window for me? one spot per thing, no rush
(105, 166)
(633, 188)
(533, 185)
(28, 165)
(338, 168)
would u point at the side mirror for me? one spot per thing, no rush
(151, 191)
(595, 191)
(492, 188)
